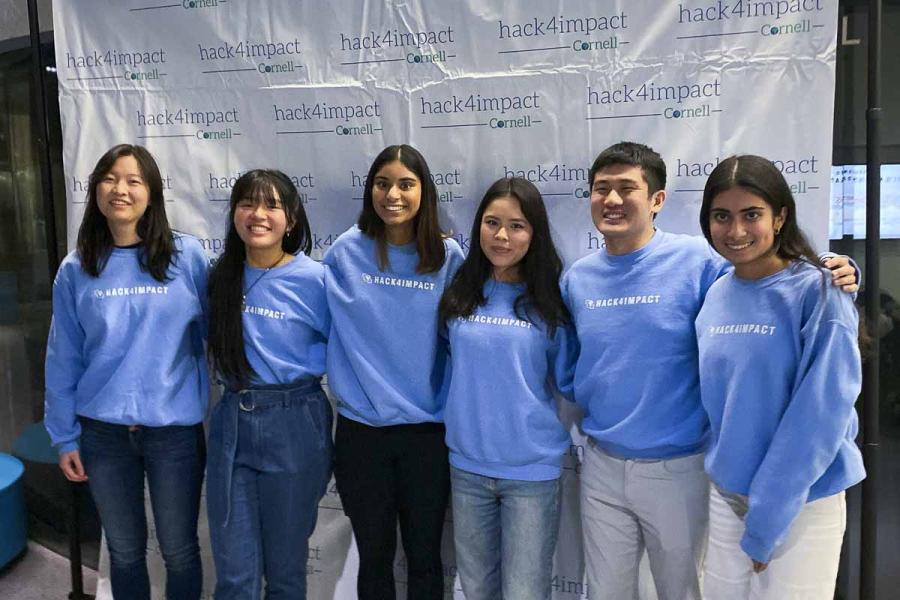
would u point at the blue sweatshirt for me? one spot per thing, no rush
(779, 375)
(125, 348)
(636, 374)
(500, 414)
(385, 363)
(286, 321)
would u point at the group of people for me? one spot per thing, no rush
(717, 378)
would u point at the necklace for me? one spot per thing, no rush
(255, 281)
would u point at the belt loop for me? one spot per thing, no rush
(241, 405)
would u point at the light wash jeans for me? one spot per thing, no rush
(269, 462)
(803, 567)
(505, 534)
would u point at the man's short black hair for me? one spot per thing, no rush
(637, 155)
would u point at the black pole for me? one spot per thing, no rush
(42, 137)
(868, 552)
(74, 527)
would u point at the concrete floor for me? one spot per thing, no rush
(41, 574)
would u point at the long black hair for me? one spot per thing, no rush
(427, 231)
(95, 241)
(226, 280)
(760, 177)
(539, 269)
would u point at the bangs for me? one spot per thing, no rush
(259, 190)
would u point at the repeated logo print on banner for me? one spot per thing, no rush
(395, 45)
(584, 29)
(112, 63)
(484, 90)
(740, 18)
(187, 122)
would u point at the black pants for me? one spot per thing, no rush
(388, 473)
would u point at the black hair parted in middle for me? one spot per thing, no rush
(759, 176)
(428, 237)
(226, 279)
(540, 268)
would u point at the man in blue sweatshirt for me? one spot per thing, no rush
(636, 378)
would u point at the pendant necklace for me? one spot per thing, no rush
(255, 281)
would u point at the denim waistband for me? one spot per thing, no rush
(240, 404)
(98, 424)
(266, 395)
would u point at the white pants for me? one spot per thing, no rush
(804, 566)
(628, 506)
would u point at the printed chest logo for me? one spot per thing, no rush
(136, 290)
(268, 313)
(595, 303)
(383, 280)
(501, 321)
(742, 329)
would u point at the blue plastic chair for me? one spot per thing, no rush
(12, 509)
(34, 445)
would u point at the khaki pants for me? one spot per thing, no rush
(628, 506)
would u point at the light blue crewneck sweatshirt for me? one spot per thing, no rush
(636, 374)
(385, 363)
(779, 375)
(286, 321)
(125, 348)
(501, 415)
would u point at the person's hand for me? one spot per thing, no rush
(843, 274)
(71, 466)
(759, 567)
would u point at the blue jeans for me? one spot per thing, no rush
(270, 460)
(505, 535)
(116, 459)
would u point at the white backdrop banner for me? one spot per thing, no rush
(483, 88)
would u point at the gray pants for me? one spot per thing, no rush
(628, 506)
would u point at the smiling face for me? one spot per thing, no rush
(396, 197)
(505, 237)
(261, 224)
(622, 207)
(743, 229)
(122, 194)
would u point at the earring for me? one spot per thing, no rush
(777, 230)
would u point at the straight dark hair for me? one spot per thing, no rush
(760, 177)
(226, 280)
(540, 268)
(633, 154)
(95, 242)
(427, 231)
